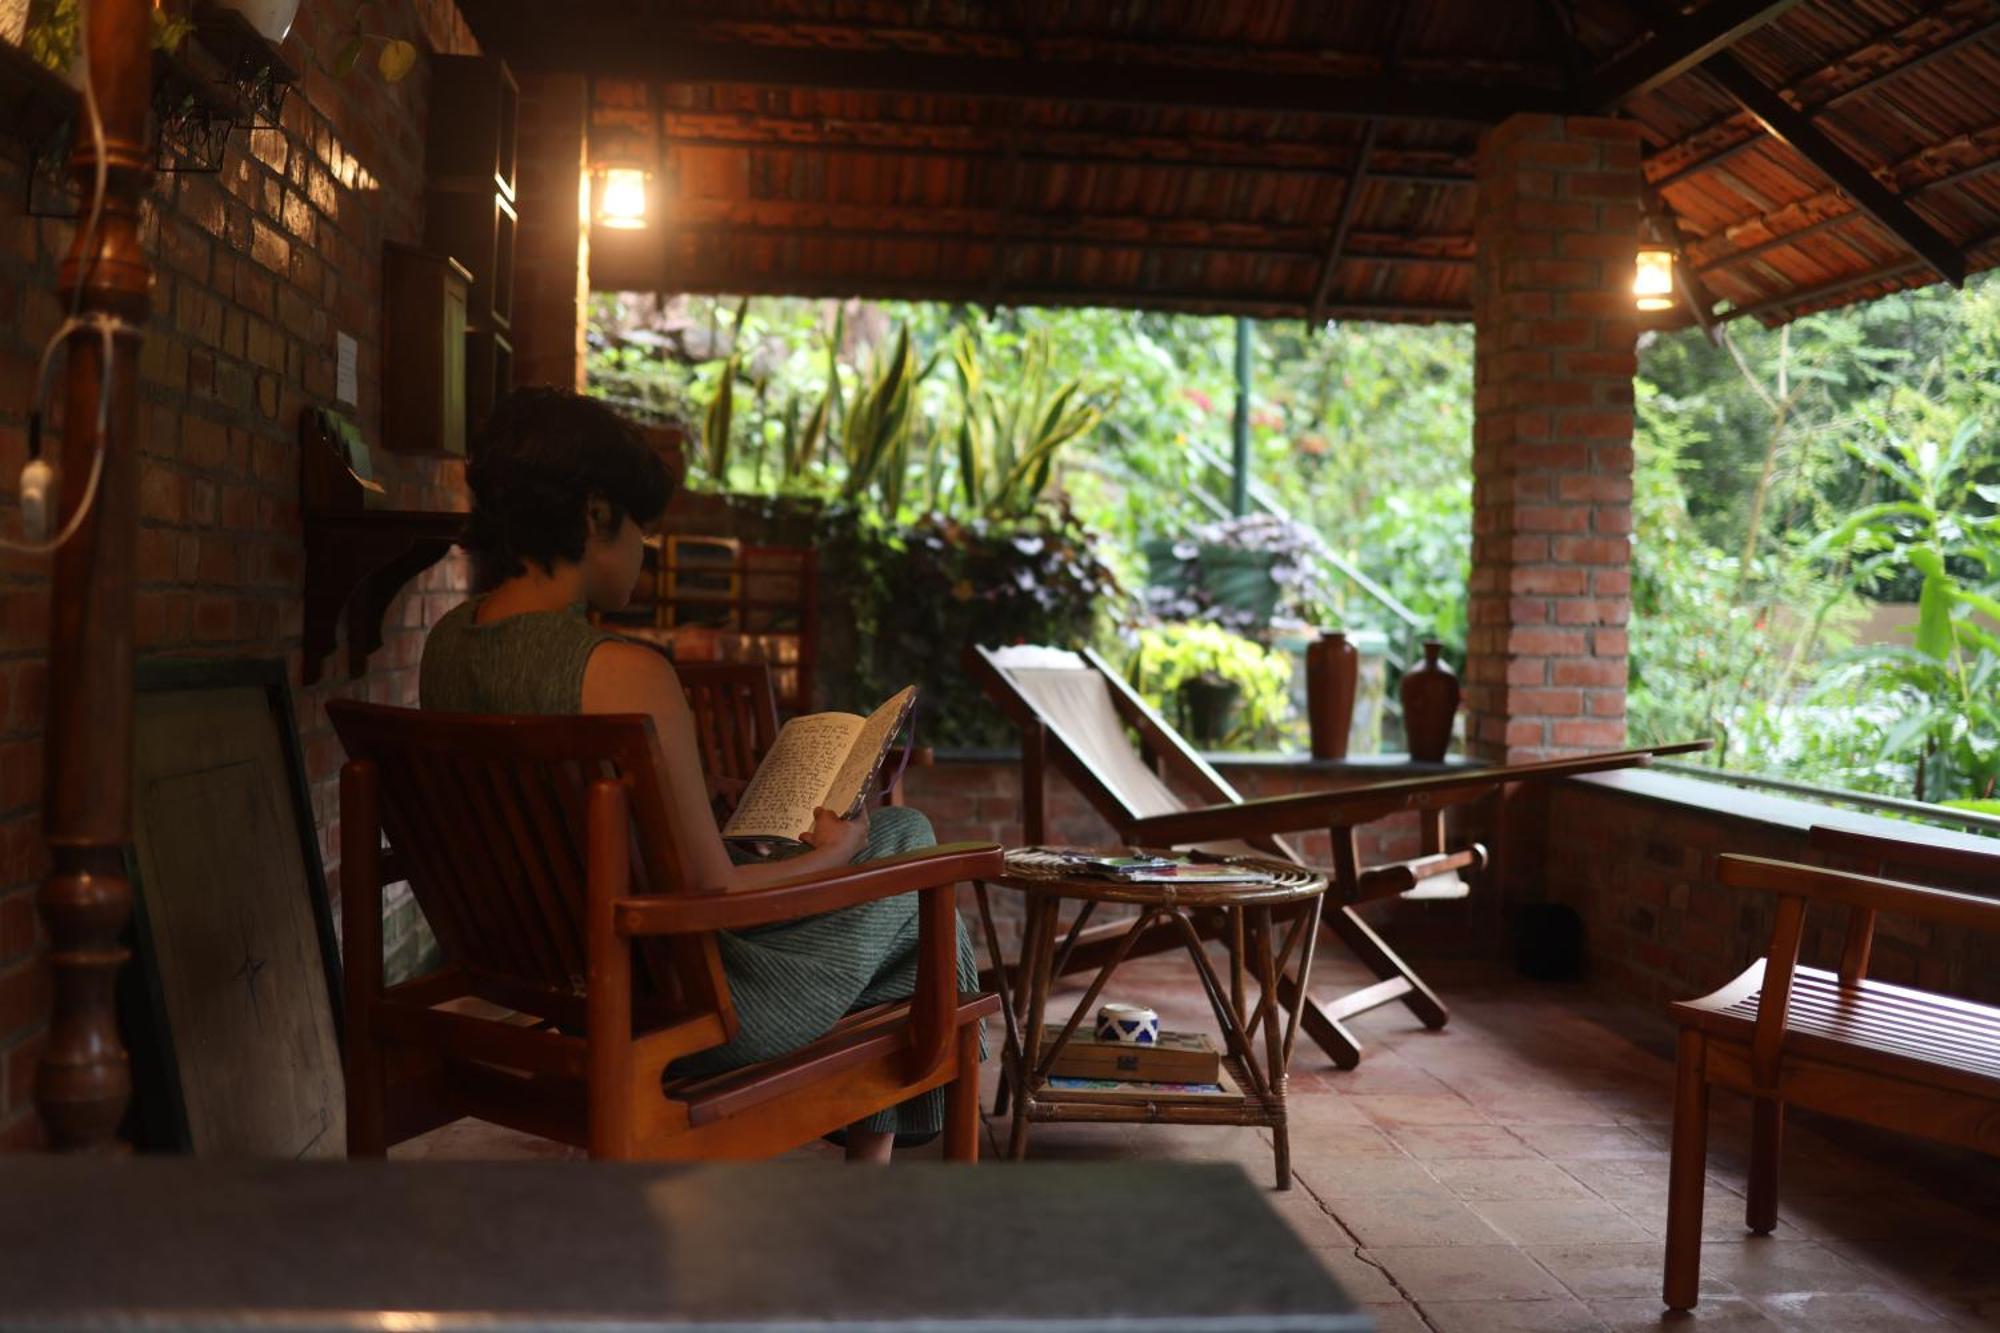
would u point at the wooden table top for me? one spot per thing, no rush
(175, 1243)
(1037, 870)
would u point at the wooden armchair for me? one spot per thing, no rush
(1835, 1042)
(580, 957)
(736, 718)
(1074, 711)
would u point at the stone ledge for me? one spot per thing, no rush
(1728, 801)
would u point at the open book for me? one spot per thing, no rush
(825, 759)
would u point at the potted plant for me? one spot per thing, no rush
(1228, 691)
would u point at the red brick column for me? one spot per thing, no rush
(1552, 436)
(552, 245)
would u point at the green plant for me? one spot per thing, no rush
(876, 436)
(53, 32)
(394, 57)
(1007, 444)
(1165, 657)
(1945, 684)
(923, 591)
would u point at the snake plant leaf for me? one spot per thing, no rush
(715, 432)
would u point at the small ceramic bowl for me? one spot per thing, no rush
(1131, 1023)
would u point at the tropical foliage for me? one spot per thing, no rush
(1064, 475)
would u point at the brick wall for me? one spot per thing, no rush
(1637, 860)
(258, 268)
(1552, 436)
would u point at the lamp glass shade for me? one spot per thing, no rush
(1653, 280)
(621, 199)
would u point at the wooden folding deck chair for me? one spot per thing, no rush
(1075, 711)
(580, 957)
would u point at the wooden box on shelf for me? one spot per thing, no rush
(424, 350)
(469, 211)
(471, 145)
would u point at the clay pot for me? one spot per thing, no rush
(1208, 709)
(1430, 701)
(1332, 670)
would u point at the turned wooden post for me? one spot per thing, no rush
(84, 1081)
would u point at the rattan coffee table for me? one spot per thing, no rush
(1250, 931)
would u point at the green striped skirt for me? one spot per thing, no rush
(792, 981)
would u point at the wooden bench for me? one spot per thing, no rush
(1892, 1056)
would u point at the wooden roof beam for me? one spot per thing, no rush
(1786, 122)
(1349, 194)
(1677, 46)
(1814, 110)
(558, 42)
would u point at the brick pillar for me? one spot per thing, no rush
(552, 245)
(1552, 436)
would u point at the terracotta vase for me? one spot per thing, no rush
(1430, 701)
(1332, 669)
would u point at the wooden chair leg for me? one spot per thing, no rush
(1767, 1136)
(1370, 948)
(961, 1101)
(1328, 1033)
(1685, 1175)
(361, 934)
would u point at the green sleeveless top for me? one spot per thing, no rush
(527, 663)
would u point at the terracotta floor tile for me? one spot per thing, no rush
(1563, 1142)
(1396, 1317)
(1596, 1272)
(1314, 1142)
(1391, 1110)
(1757, 1266)
(1475, 1178)
(1643, 1181)
(1428, 1141)
(1931, 1266)
(1467, 1272)
(1715, 1314)
(1558, 1221)
(1848, 1312)
(1414, 1219)
(1563, 1314)
(1362, 1280)
(1365, 1177)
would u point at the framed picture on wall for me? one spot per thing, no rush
(232, 1009)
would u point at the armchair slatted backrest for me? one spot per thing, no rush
(1076, 706)
(735, 714)
(487, 816)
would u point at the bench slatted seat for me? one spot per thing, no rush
(1892, 1056)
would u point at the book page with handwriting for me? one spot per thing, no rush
(794, 778)
(871, 742)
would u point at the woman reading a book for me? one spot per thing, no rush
(562, 490)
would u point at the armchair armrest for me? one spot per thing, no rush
(1351, 806)
(809, 895)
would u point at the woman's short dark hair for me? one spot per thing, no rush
(541, 459)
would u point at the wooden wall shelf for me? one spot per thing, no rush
(356, 564)
(357, 558)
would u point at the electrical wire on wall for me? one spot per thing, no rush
(39, 495)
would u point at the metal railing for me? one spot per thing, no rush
(1971, 820)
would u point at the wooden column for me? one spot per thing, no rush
(83, 1081)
